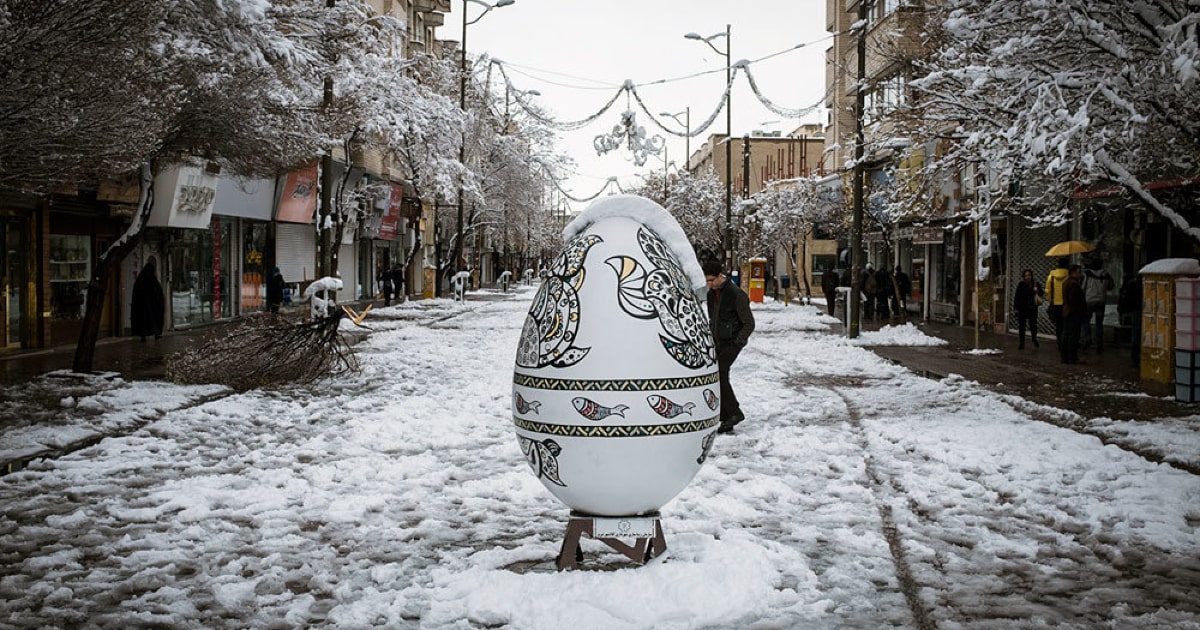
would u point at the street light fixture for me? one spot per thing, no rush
(728, 241)
(687, 126)
(462, 104)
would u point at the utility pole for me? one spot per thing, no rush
(745, 187)
(728, 153)
(853, 304)
(325, 264)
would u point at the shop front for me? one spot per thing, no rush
(190, 246)
(78, 231)
(246, 206)
(295, 234)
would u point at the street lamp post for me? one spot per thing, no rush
(687, 130)
(462, 104)
(728, 241)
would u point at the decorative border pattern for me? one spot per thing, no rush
(638, 430)
(615, 385)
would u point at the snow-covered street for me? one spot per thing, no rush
(856, 495)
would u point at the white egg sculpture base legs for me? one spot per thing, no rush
(646, 531)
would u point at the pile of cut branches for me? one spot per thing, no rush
(267, 351)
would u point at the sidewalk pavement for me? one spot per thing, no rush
(136, 359)
(1102, 384)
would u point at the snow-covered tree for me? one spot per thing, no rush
(785, 214)
(510, 160)
(93, 89)
(137, 86)
(1054, 96)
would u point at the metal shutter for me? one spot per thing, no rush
(296, 251)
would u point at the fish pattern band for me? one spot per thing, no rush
(614, 385)
(637, 430)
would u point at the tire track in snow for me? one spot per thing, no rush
(904, 575)
(798, 378)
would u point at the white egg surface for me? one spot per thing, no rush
(615, 390)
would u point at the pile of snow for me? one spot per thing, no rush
(902, 335)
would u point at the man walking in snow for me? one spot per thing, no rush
(732, 322)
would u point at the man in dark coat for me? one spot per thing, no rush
(148, 304)
(1074, 314)
(732, 322)
(829, 286)
(884, 294)
(904, 284)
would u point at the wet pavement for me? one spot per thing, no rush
(1102, 384)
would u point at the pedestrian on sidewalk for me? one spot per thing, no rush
(829, 286)
(1028, 296)
(869, 289)
(904, 285)
(732, 323)
(148, 305)
(1096, 285)
(383, 278)
(1074, 314)
(274, 290)
(1054, 297)
(884, 292)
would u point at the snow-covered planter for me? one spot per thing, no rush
(615, 390)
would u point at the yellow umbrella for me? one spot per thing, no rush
(1066, 248)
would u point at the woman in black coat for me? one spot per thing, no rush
(148, 304)
(1025, 302)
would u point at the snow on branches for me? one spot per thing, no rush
(1067, 96)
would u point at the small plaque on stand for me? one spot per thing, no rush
(646, 530)
(623, 527)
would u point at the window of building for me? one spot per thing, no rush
(254, 271)
(70, 269)
(885, 96)
(949, 276)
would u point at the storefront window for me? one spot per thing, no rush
(254, 273)
(949, 276)
(70, 268)
(14, 282)
(200, 273)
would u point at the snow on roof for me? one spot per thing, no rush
(1173, 266)
(649, 214)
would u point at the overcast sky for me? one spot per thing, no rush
(577, 54)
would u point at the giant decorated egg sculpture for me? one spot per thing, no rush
(615, 391)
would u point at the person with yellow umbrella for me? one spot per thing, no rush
(1056, 279)
(1054, 297)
